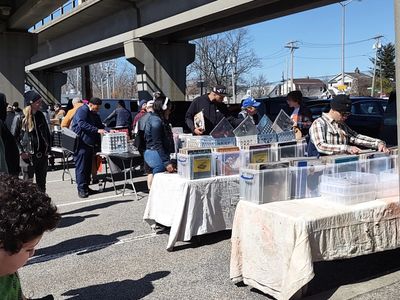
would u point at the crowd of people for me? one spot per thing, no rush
(25, 143)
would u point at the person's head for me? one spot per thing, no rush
(217, 93)
(15, 105)
(57, 107)
(149, 106)
(156, 95)
(121, 103)
(95, 104)
(9, 108)
(340, 108)
(33, 100)
(294, 99)
(25, 214)
(163, 107)
(250, 106)
(76, 101)
(142, 104)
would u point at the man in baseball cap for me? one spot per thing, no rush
(213, 109)
(249, 108)
(331, 135)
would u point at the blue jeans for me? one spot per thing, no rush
(153, 159)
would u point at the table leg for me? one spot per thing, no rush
(112, 176)
(131, 179)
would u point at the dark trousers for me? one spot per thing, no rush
(38, 168)
(83, 166)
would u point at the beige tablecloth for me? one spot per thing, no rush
(274, 245)
(192, 207)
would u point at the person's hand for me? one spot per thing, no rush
(170, 168)
(198, 131)
(25, 156)
(353, 150)
(382, 148)
(101, 131)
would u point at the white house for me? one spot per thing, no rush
(356, 83)
(309, 87)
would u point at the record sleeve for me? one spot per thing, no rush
(223, 129)
(245, 128)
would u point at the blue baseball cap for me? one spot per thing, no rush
(250, 102)
(142, 102)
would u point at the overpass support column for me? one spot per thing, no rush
(15, 49)
(160, 67)
(48, 84)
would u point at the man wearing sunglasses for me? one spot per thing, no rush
(331, 135)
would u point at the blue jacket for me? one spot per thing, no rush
(158, 136)
(86, 124)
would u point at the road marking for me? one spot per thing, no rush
(89, 200)
(45, 258)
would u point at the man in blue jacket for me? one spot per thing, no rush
(87, 125)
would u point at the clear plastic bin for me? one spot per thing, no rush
(388, 185)
(226, 163)
(349, 187)
(375, 165)
(262, 155)
(305, 181)
(290, 149)
(263, 186)
(114, 142)
(341, 164)
(195, 166)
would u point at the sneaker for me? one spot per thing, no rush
(83, 194)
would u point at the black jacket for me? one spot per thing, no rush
(213, 113)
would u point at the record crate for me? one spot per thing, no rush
(195, 166)
(114, 142)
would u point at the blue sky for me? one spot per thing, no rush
(364, 20)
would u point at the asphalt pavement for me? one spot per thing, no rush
(103, 249)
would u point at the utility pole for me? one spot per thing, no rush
(232, 62)
(376, 46)
(292, 46)
(344, 4)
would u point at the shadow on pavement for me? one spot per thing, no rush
(80, 246)
(95, 207)
(69, 221)
(206, 239)
(119, 290)
(332, 274)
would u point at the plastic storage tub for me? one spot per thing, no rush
(263, 186)
(114, 143)
(226, 163)
(388, 185)
(348, 187)
(195, 166)
(305, 181)
(262, 155)
(243, 141)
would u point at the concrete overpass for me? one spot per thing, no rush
(153, 35)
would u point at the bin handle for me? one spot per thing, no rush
(246, 177)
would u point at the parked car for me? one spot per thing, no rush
(389, 123)
(366, 113)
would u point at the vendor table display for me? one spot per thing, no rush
(192, 207)
(274, 245)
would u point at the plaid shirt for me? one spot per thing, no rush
(338, 136)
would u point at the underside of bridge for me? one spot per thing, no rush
(153, 35)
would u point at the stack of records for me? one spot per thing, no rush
(222, 130)
(227, 161)
(195, 163)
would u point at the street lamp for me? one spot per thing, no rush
(344, 4)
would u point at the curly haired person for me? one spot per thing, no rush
(25, 214)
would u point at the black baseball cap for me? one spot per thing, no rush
(341, 103)
(95, 101)
(220, 90)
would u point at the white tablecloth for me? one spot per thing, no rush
(274, 245)
(192, 207)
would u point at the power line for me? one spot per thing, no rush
(333, 58)
(320, 45)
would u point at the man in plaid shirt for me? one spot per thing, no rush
(331, 135)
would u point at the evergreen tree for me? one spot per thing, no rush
(385, 60)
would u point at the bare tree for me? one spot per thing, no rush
(259, 86)
(218, 55)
